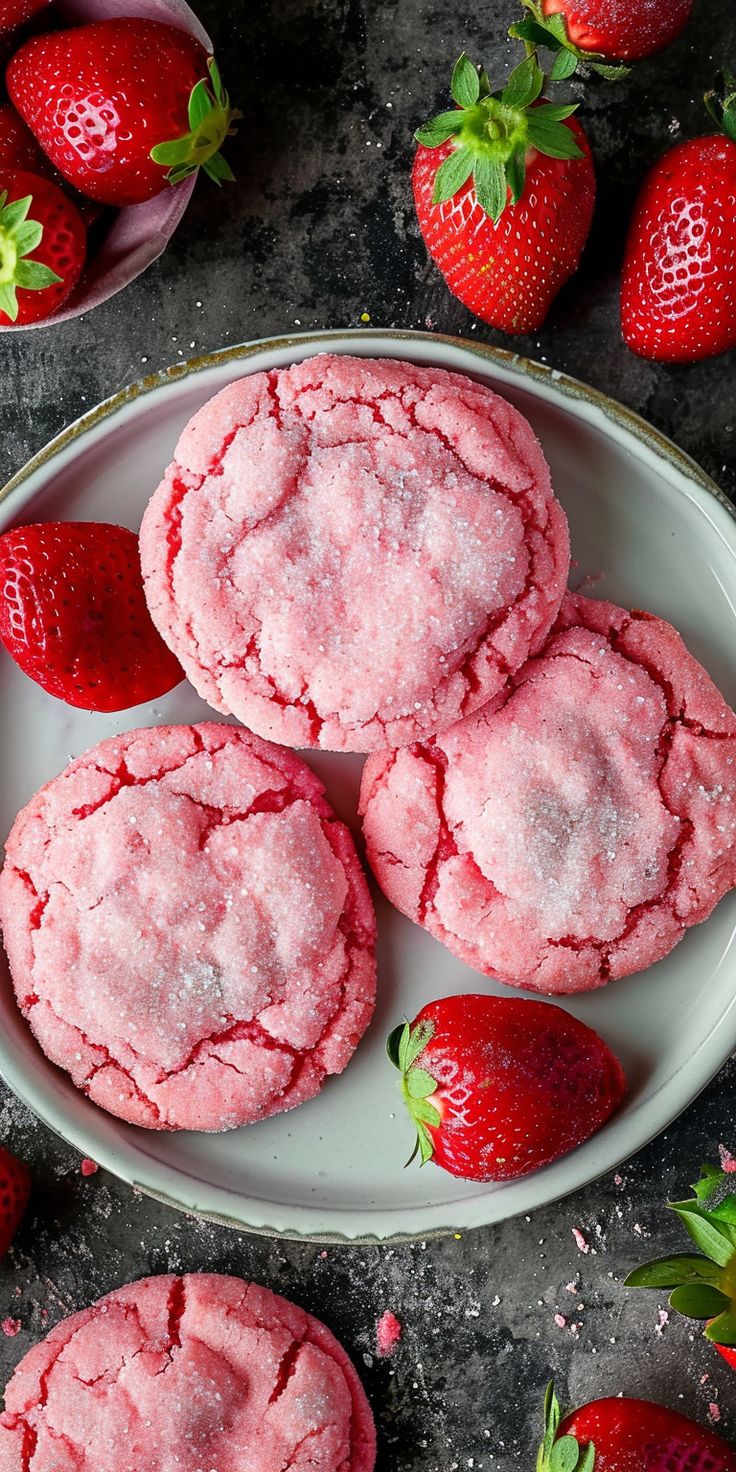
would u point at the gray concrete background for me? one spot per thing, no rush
(320, 229)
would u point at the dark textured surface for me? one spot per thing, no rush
(319, 231)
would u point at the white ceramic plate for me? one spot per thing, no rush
(656, 533)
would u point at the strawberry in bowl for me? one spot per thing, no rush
(620, 1434)
(43, 242)
(123, 114)
(497, 1087)
(504, 190)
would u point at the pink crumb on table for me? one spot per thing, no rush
(388, 1333)
(580, 1241)
(714, 1411)
(89, 1167)
(11, 1327)
(728, 1161)
(663, 1319)
(560, 1321)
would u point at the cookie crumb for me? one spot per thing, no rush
(388, 1333)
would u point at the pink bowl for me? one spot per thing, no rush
(139, 233)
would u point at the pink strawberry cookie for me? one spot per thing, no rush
(203, 1373)
(353, 553)
(571, 831)
(189, 929)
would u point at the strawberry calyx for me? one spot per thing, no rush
(404, 1045)
(550, 31)
(720, 103)
(703, 1285)
(210, 122)
(18, 237)
(492, 132)
(561, 1453)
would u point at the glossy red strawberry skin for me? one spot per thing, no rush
(639, 1436)
(509, 273)
(15, 1189)
(678, 287)
(74, 617)
(14, 13)
(99, 97)
(63, 244)
(520, 1084)
(18, 147)
(621, 30)
(728, 1351)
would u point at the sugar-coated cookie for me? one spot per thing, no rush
(201, 1373)
(570, 831)
(188, 926)
(354, 553)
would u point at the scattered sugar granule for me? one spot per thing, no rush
(714, 1411)
(89, 1167)
(11, 1327)
(560, 1321)
(728, 1162)
(388, 1333)
(580, 1242)
(663, 1320)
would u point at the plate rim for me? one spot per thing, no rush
(557, 384)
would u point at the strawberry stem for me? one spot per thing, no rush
(404, 1046)
(492, 133)
(210, 122)
(720, 103)
(18, 237)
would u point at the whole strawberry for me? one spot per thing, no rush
(123, 107)
(43, 244)
(15, 13)
(620, 1434)
(678, 288)
(702, 1285)
(18, 147)
(498, 1086)
(504, 191)
(15, 1189)
(74, 617)
(597, 32)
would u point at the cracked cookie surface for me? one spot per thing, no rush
(189, 929)
(354, 553)
(204, 1373)
(572, 830)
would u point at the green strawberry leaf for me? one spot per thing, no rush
(564, 64)
(565, 1455)
(671, 1272)
(553, 112)
(413, 1040)
(524, 84)
(9, 302)
(535, 33)
(713, 1239)
(553, 138)
(14, 214)
(465, 84)
(516, 175)
(199, 105)
(438, 129)
(393, 1042)
(452, 174)
(611, 73)
(587, 1460)
(722, 1330)
(489, 178)
(420, 1084)
(176, 151)
(218, 169)
(426, 1113)
(34, 276)
(27, 236)
(699, 1301)
(711, 1177)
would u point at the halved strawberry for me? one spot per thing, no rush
(74, 617)
(43, 243)
(498, 1086)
